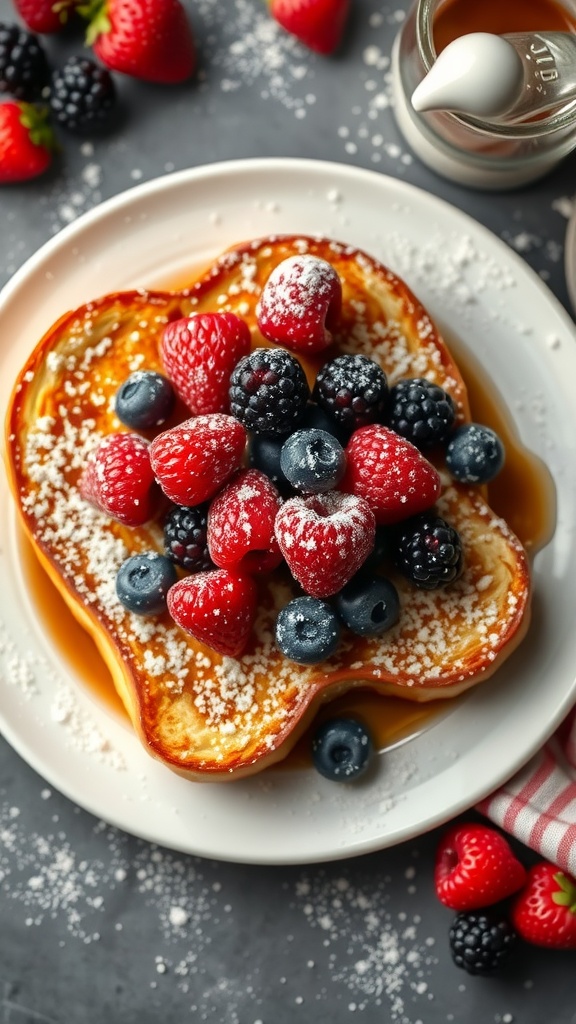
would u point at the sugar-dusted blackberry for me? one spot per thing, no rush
(421, 411)
(481, 941)
(82, 95)
(24, 67)
(353, 389)
(269, 392)
(185, 537)
(428, 551)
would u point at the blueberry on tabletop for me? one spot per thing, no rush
(24, 69)
(428, 551)
(312, 461)
(475, 454)
(481, 941)
(341, 749)
(144, 400)
(421, 411)
(353, 389)
(368, 605)
(143, 581)
(307, 630)
(185, 537)
(269, 392)
(82, 95)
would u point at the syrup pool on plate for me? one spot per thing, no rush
(458, 17)
(523, 494)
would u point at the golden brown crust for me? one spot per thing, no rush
(206, 716)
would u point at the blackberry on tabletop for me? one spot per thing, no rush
(421, 411)
(428, 551)
(82, 95)
(353, 390)
(481, 941)
(24, 70)
(185, 537)
(269, 392)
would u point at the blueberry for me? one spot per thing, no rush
(475, 454)
(307, 630)
(341, 749)
(143, 581)
(264, 454)
(383, 547)
(312, 461)
(144, 400)
(317, 417)
(368, 605)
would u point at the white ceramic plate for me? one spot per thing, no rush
(481, 292)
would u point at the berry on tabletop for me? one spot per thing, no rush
(216, 607)
(475, 867)
(319, 24)
(82, 95)
(143, 581)
(45, 16)
(544, 912)
(481, 941)
(300, 304)
(342, 749)
(199, 353)
(307, 630)
(24, 69)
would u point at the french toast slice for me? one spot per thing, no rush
(207, 716)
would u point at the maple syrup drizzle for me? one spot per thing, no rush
(455, 18)
(523, 495)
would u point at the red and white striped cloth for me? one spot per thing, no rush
(538, 805)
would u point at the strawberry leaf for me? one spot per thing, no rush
(96, 13)
(566, 895)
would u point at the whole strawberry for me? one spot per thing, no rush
(544, 912)
(216, 607)
(45, 16)
(475, 867)
(119, 481)
(147, 39)
(319, 24)
(390, 474)
(26, 142)
(195, 458)
(199, 353)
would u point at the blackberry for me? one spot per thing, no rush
(481, 941)
(428, 551)
(269, 392)
(24, 67)
(421, 411)
(185, 537)
(353, 390)
(82, 95)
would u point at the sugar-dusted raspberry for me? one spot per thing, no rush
(269, 392)
(217, 608)
(199, 353)
(118, 479)
(325, 538)
(241, 524)
(300, 304)
(194, 459)
(390, 473)
(353, 389)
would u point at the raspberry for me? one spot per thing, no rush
(186, 537)
(480, 942)
(353, 390)
(241, 524)
(24, 67)
(217, 608)
(300, 304)
(325, 539)
(475, 867)
(194, 459)
(390, 473)
(199, 353)
(421, 411)
(118, 479)
(82, 95)
(429, 551)
(269, 392)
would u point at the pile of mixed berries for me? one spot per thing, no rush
(330, 483)
(498, 901)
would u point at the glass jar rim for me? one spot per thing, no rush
(564, 118)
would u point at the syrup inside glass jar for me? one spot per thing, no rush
(456, 18)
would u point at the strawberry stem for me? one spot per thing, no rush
(36, 120)
(96, 13)
(566, 895)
